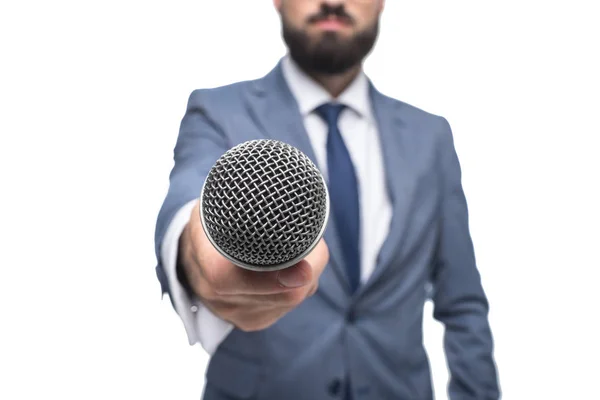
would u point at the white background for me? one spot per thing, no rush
(91, 96)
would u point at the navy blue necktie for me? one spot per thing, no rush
(343, 192)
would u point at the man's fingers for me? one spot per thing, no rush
(297, 276)
(318, 258)
(228, 279)
(286, 300)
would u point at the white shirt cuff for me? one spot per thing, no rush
(201, 325)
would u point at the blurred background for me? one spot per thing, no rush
(91, 97)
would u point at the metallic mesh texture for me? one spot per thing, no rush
(264, 203)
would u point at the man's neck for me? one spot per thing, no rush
(336, 84)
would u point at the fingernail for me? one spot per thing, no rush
(292, 277)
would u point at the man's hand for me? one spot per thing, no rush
(250, 300)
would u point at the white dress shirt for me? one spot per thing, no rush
(359, 131)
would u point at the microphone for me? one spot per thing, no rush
(264, 205)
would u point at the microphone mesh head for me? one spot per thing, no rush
(264, 205)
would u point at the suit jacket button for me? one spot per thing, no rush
(350, 316)
(335, 387)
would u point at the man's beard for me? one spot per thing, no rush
(332, 54)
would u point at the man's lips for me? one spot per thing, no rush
(332, 23)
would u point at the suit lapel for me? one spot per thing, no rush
(276, 112)
(392, 132)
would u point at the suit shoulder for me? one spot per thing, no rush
(220, 96)
(430, 127)
(413, 114)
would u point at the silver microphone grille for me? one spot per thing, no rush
(264, 205)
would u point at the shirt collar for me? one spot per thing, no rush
(310, 95)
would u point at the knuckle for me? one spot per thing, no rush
(203, 288)
(293, 297)
(224, 310)
(208, 273)
(216, 280)
(207, 293)
(218, 289)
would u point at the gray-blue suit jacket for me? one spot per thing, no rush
(373, 338)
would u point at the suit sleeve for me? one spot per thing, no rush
(201, 325)
(199, 144)
(459, 300)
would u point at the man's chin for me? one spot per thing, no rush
(333, 45)
(327, 66)
(318, 32)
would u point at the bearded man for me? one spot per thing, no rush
(346, 321)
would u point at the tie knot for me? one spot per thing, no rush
(330, 112)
